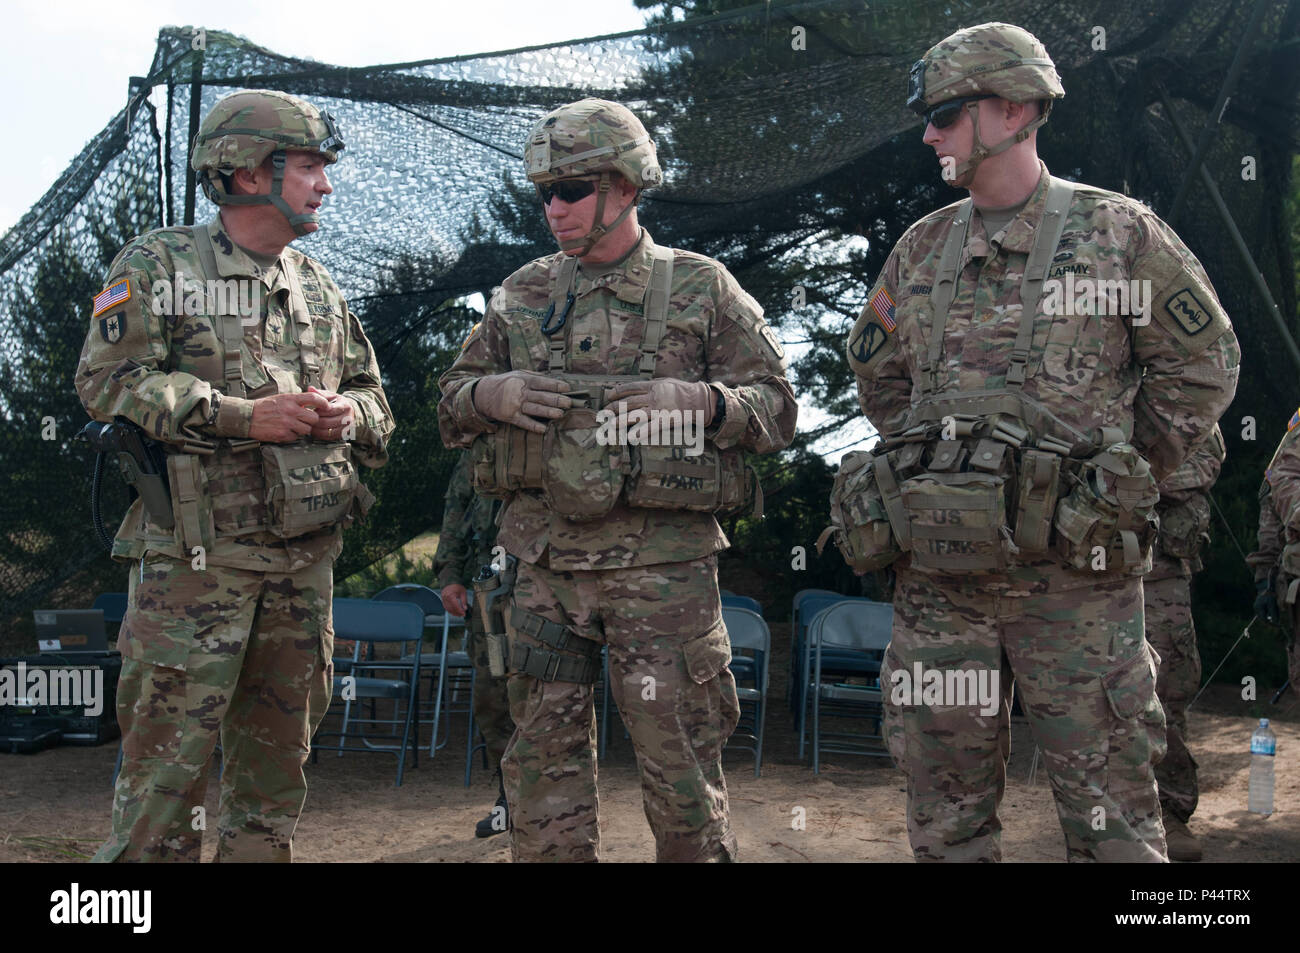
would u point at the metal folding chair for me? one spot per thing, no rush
(747, 631)
(859, 627)
(366, 623)
(437, 663)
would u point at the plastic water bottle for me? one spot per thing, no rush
(1263, 747)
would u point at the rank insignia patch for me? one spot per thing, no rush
(1187, 310)
(883, 304)
(111, 297)
(770, 337)
(113, 327)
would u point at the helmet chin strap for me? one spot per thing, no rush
(980, 152)
(298, 223)
(583, 246)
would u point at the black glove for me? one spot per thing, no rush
(1266, 602)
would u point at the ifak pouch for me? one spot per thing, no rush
(311, 486)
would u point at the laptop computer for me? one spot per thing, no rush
(71, 631)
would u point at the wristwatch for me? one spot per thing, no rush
(719, 409)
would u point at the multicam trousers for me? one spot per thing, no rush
(1172, 634)
(669, 676)
(230, 652)
(1087, 683)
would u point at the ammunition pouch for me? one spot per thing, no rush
(311, 486)
(549, 664)
(1184, 528)
(712, 481)
(505, 462)
(1111, 507)
(863, 496)
(583, 474)
(1039, 485)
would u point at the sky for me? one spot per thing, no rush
(66, 63)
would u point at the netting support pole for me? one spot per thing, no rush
(169, 203)
(1220, 103)
(1231, 227)
(196, 107)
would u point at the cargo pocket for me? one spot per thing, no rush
(1136, 742)
(165, 642)
(710, 702)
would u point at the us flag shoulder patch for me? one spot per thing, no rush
(111, 297)
(883, 304)
(469, 337)
(1295, 419)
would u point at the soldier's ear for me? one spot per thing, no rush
(253, 181)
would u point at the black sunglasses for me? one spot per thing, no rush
(568, 190)
(945, 114)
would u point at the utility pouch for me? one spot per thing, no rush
(862, 497)
(713, 480)
(958, 521)
(1184, 527)
(506, 461)
(1111, 507)
(311, 486)
(1039, 486)
(582, 476)
(191, 509)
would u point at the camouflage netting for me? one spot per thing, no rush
(785, 140)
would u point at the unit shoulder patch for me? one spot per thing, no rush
(1192, 316)
(866, 341)
(113, 327)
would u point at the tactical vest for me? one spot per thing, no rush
(582, 465)
(244, 486)
(976, 479)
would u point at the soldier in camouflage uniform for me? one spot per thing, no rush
(465, 544)
(1058, 425)
(239, 355)
(1184, 511)
(1277, 561)
(640, 580)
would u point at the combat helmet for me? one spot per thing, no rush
(588, 137)
(997, 59)
(244, 128)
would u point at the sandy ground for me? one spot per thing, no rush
(55, 805)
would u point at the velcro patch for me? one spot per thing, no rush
(770, 337)
(113, 327)
(1192, 316)
(868, 340)
(111, 297)
(882, 302)
(469, 337)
